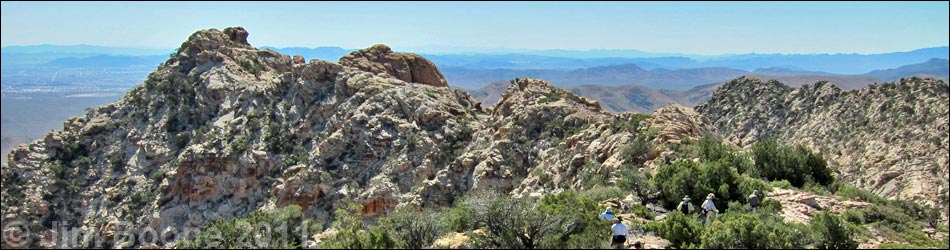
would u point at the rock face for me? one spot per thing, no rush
(404, 66)
(676, 122)
(888, 138)
(801, 207)
(222, 129)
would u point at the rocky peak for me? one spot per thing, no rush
(211, 39)
(403, 66)
(525, 92)
(226, 53)
(749, 87)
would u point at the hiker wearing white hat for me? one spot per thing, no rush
(708, 206)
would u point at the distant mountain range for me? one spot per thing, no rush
(41, 54)
(931, 68)
(85, 49)
(552, 59)
(778, 71)
(647, 90)
(833, 63)
(682, 79)
(615, 75)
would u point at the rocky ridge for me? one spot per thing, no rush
(890, 138)
(222, 129)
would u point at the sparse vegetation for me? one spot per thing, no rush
(414, 229)
(287, 229)
(636, 151)
(831, 232)
(353, 234)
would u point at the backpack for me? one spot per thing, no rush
(684, 207)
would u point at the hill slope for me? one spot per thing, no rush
(888, 138)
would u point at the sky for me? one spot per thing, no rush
(702, 28)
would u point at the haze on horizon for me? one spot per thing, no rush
(698, 28)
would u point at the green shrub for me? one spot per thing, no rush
(510, 223)
(578, 225)
(239, 144)
(459, 218)
(720, 179)
(414, 229)
(711, 149)
(643, 212)
(676, 181)
(717, 174)
(751, 231)
(849, 192)
(798, 165)
(897, 224)
(899, 246)
(636, 151)
(769, 206)
(117, 161)
(601, 193)
(830, 232)
(287, 227)
(158, 175)
(632, 179)
(632, 125)
(564, 220)
(853, 217)
(748, 184)
(592, 175)
(352, 234)
(816, 189)
(917, 211)
(781, 184)
(890, 216)
(681, 230)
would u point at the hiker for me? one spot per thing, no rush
(608, 214)
(708, 206)
(620, 234)
(754, 200)
(685, 206)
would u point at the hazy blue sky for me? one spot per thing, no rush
(680, 27)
